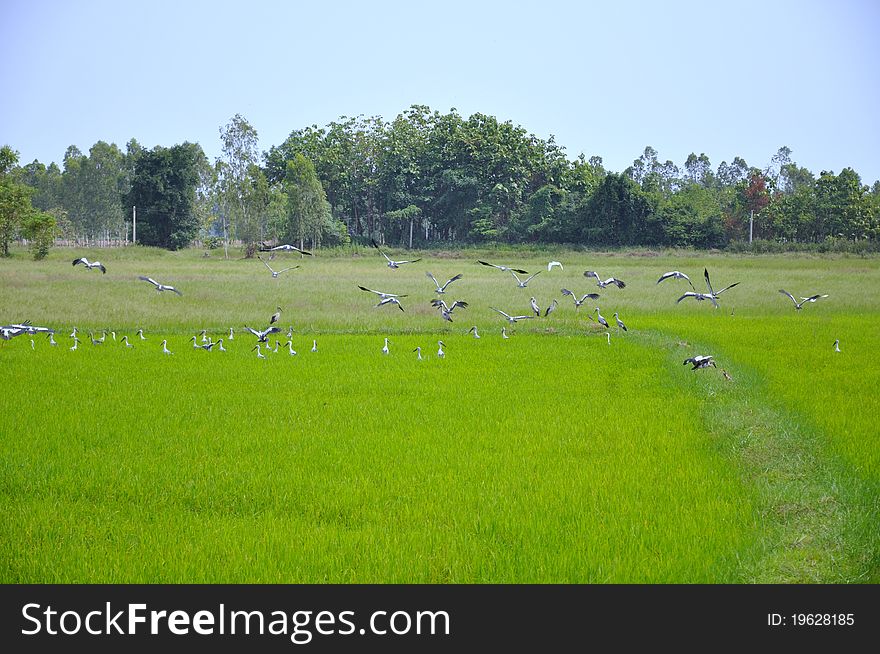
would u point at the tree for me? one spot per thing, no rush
(308, 209)
(236, 183)
(15, 199)
(40, 228)
(164, 190)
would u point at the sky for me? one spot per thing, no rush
(603, 78)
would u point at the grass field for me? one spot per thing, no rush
(552, 456)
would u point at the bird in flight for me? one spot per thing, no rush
(445, 309)
(554, 264)
(486, 263)
(285, 248)
(275, 273)
(712, 295)
(392, 263)
(804, 300)
(442, 289)
(523, 283)
(700, 361)
(385, 298)
(602, 284)
(160, 287)
(578, 303)
(91, 264)
(674, 274)
(262, 337)
(511, 319)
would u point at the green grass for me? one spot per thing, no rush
(548, 457)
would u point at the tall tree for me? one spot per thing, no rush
(15, 199)
(308, 209)
(236, 182)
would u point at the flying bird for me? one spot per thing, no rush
(554, 264)
(712, 295)
(804, 300)
(275, 273)
(578, 303)
(262, 337)
(674, 274)
(486, 263)
(159, 287)
(285, 248)
(511, 319)
(700, 361)
(523, 283)
(602, 284)
(391, 263)
(381, 294)
(90, 264)
(442, 289)
(446, 310)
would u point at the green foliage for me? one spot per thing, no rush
(15, 199)
(40, 228)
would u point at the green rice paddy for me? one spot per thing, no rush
(549, 457)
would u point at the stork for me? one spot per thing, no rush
(140, 333)
(446, 310)
(511, 319)
(600, 319)
(602, 284)
(263, 335)
(165, 347)
(159, 287)
(91, 264)
(290, 349)
(440, 352)
(522, 283)
(275, 273)
(286, 248)
(275, 316)
(551, 308)
(584, 297)
(700, 361)
(505, 268)
(418, 352)
(256, 347)
(473, 330)
(620, 324)
(391, 263)
(534, 304)
(674, 274)
(554, 264)
(385, 349)
(804, 300)
(125, 341)
(442, 289)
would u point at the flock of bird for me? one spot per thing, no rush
(445, 309)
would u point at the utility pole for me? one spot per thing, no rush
(751, 224)
(134, 225)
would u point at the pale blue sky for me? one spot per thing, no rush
(605, 78)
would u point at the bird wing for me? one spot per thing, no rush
(784, 292)
(813, 298)
(565, 291)
(666, 276)
(486, 263)
(433, 279)
(688, 294)
(449, 281)
(173, 290)
(591, 273)
(379, 293)
(458, 303)
(103, 268)
(515, 276)
(500, 311)
(266, 264)
(409, 261)
(521, 272)
(554, 263)
(725, 288)
(528, 279)
(708, 283)
(76, 261)
(148, 279)
(286, 269)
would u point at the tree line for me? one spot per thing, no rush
(425, 179)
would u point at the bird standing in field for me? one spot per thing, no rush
(385, 349)
(91, 264)
(620, 324)
(804, 300)
(440, 352)
(256, 347)
(159, 287)
(504, 332)
(165, 347)
(550, 309)
(140, 333)
(473, 330)
(75, 344)
(534, 304)
(600, 319)
(275, 316)
(603, 283)
(442, 289)
(275, 273)
(418, 352)
(837, 345)
(220, 345)
(314, 346)
(290, 349)
(674, 274)
(125, 341)
(52, 339)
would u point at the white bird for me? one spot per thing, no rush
(446, 310)
(97, 341)
(551, 308)
(113, 334)
(73, 333)
(534, 304)
(608, 336)
(507, 268)
(275, 273)
(602, 284)
(52, 339)
(584, 298)
(474, 331)
(385, 347)
(837, 345)
(804, 300)
(554, 264)
(390, 300)
(418, 352)
(523, 283)
(275, 351)
(620, 324)
(440, 352)
(75, 343)
(286, 248)
(159, 287)
(256, 347)
(220, 345)
(712, 295)
(125, 341)
(275, 316)
(600, 319)
(504, 332)
(231, 334)
(382, 295)
(290, 349)
(204, 335)
(90, 264)
(700, 361)
(262, 336)
(196, 346)
(33, 347)
(674, 274)
(140, 333)
(511, 319)
(314, 346)
(165, 347)
(442, 289)
(290, 333)
(391, 263)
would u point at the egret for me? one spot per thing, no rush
(804, 300)
(418, 352)
(507, 268)
(125, 341)
(700, 361)
(674, 274)
(584, 298)
(551, 308)
(440, 352)
(165, 347)
(159, 287)
(600, 319)
(523, 283)
(275, 273)
(620, 324)
(602, 284)
(511, 319)
(391, 263)
(256, 347)
(446, 310)
(837, 345)
(290, 349)
(554, 264)
(275, 316)
(90, 264)
(473, 330)
(442, 289)
(385, 347)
